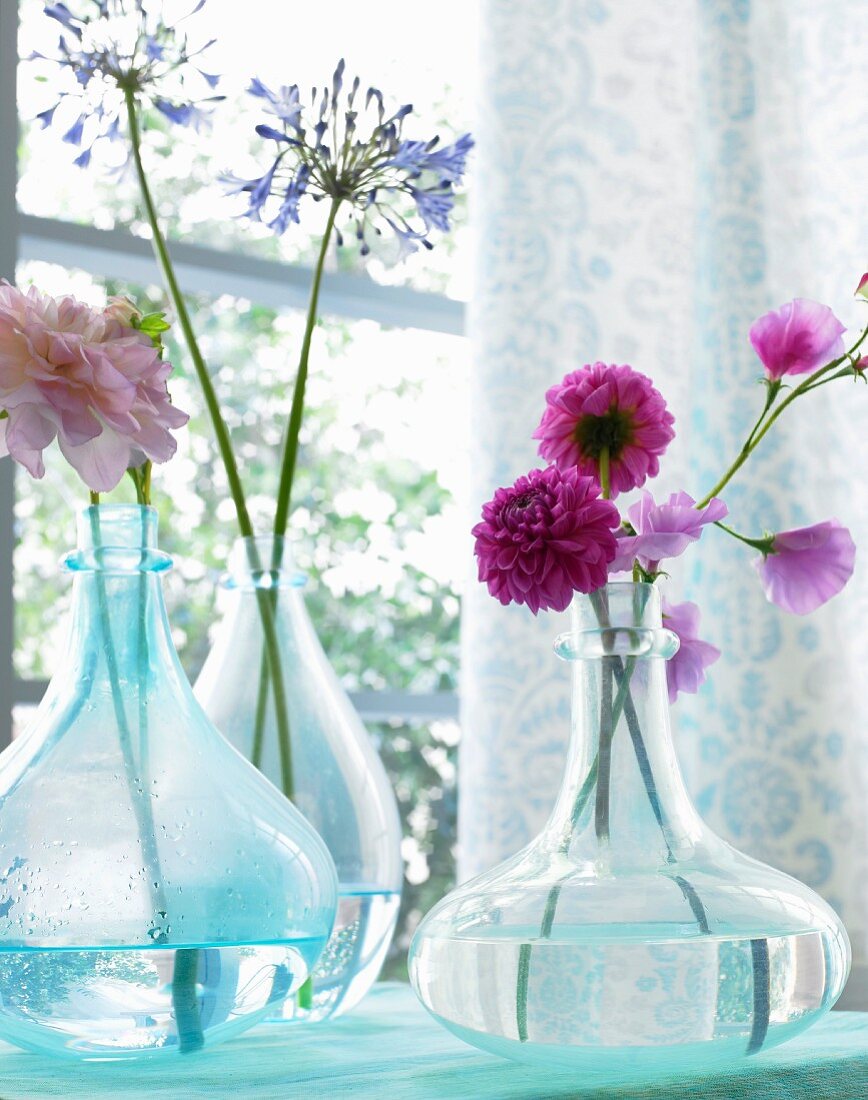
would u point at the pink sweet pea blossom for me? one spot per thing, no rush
(86, 378)
(544, 538)
(862, 288)
(686, 670)
(798, 338)
(807, 566)
(606, 407)
(663, 530)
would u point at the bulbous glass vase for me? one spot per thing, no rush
(627, 940)
(157, 894)
(329, 767)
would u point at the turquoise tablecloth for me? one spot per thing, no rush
(389, 1049)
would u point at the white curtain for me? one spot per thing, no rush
(650, 178)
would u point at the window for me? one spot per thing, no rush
(378, 501)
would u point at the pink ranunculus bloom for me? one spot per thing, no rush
(798, 338)
(79, 375)
(807, 566)
(686, 670)
(663, 530)
(613, 407)
(123, 309)
(862, 288)
(544, 538)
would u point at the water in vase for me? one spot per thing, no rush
(610, 998)
(352, 957)
(111, 1003)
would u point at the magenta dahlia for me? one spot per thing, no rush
(546, 537)
(604, 411)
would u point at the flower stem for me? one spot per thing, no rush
(221, 433)
(293, 428)
(765, 422)
(605, 483)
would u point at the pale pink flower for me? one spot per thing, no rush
(79, 375)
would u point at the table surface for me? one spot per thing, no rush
(390, 1049)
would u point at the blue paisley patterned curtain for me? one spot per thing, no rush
(650, 178)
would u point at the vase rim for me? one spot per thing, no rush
(262, 561)
(117, 539)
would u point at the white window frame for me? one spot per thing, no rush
(118, 254)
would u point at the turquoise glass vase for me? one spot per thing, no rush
(157, 893)
(335, 776)
(627, 940)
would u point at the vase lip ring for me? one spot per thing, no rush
(262, 562)
(117, 539)
(616, 641)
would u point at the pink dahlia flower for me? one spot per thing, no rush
(82, 376)
(663, 530)
(798, 338)
(686, 670)
(546, 537)
(606, 407)
(807, 566)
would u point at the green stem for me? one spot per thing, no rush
(758, 433)
(221, 433)
(605, 484)
(293, 428)
(185, 1001)
(764, 544)
(138, 791)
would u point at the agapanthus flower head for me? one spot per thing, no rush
(806, 567)
(663, 530)
(612, 408)
(83, 376)
(798, 338)
(343, 145)
(686, 670)
(109, 48)
(544, 538)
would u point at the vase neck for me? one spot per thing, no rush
(623, 799)
(119, 627)
(266, 561)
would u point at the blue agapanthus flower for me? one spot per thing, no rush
(114, 48)
(343, 147)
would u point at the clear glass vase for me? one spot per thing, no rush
(157, 894)
(329, 766)
(627, 940)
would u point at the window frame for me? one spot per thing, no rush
(119, 254)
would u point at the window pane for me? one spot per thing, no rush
(379, 522)
(435, 73)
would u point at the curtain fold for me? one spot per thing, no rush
(650, 178)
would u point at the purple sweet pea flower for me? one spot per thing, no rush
(807, 566)
(686, 670)
(798, 338)
(663, 530)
